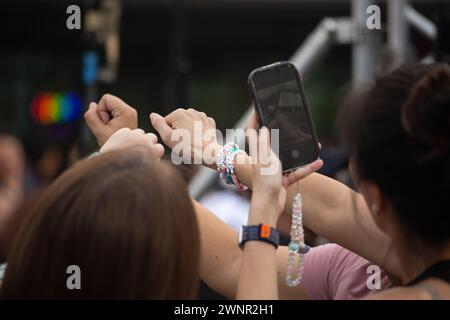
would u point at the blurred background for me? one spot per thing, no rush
(162, 54)
(159, 55)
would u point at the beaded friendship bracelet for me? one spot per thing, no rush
(297, 246)
(225, 164)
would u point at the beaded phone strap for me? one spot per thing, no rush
(297, 246)
(225, 164)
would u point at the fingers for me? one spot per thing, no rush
(212, 122)
(140, 131)
(170, 118)
(252, 122)
(105, 116)
(92, 118)
(252, 139)
(111, 107)
(301, 173)
(108, 103)
(208, 121)
(126, 138)
(202, 116)
(264, 138)
(160, 124)
(152, 138)
(264, 145)
(180, 114)
(194, 114)
(157, 150)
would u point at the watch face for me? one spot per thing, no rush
(240, 235)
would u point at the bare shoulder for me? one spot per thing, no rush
(424, 290)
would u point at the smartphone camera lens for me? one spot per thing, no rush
(295, 153)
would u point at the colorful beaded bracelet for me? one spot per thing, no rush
(225, 164)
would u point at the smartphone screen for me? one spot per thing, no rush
(280, 103)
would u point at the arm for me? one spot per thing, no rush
(114, 123)
(331, 209)
(336, 212)
(12, 171)
(241, 271)
(221, 258)
(258, 277)
(341, 215)
(108, 116)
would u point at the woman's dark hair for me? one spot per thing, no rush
(127, 222)
(397, 134)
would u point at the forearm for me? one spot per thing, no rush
(220, 261)
(322, 197)
(11, 196)
(336, 212)
(341, 215)
(258, 277)
(220, 258)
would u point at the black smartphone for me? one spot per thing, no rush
(280, 103)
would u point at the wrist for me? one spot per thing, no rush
(263, 211)
(260, 233)
(212, 163)
(265, 194)
(226, 164)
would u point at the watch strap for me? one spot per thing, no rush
(261, 232)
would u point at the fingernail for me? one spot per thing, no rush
(92, 105)
(317, 164)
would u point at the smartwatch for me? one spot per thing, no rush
(261, 232)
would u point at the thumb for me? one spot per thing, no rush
(104, 115)
(160, 125)
(93, 119)
(252, 122)
(301, 173)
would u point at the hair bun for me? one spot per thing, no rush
(426, 112)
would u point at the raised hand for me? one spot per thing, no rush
(190, 134)
(109, 115)
(298, 174)
(266, 175)
(125, 138)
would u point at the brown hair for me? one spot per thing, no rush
(397, 132)
(128, 223)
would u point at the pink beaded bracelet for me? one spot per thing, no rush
(225, 164)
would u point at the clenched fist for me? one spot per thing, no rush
(109, 115)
